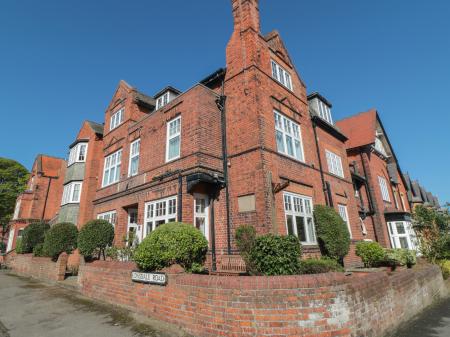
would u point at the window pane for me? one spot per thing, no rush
(311, 231)
(290, 225)
(298, 150)
(280, 143)
(289, 145)
(400, 228)
(174, 147)
(200, 224)
(300, 222)
(404, 243)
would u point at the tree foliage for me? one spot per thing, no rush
(13, 179)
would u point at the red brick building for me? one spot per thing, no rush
(246, 145)
(381, 188)
(41, 200)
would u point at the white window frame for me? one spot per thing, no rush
(75, 153)
(170, 137)
(116, 119)
(112, 161)
(202, 215)
(110, 216)
(163, 100)
(135, 149)
(325, 111)
(334, 164)
(395, 236)
(158, 212)
(10, 240)
(69, 196)
(298, 206)
(288, 129)
(343, 212)
(281, 75)
(384, 189)
(17, 209)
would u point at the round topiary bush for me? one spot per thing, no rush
(371, 253)
(275, 255)
(96, 234)
(61, 237)
(33, 235)
(332, 233)
(172, 243)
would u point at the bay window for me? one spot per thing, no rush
(402, 235)
(299, 217)
(71, 193)
(78, 153)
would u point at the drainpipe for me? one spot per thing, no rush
(221, 105)
(46, 198)
(213, 232)
(322, 177)
(180, 198)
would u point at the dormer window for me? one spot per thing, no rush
(281, 75)
(320, 107)
(116, 119)
(163, 100)
(78, 153)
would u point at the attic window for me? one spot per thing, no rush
(163, 100)
(325, 112)
(116, 119)
(281, 75)
(380, 147)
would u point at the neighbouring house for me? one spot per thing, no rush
(41, 200)
(418, 195)
(380, 186)
(80, 180)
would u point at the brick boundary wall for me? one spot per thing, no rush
(307, 305)
(42, 268)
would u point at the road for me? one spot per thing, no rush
(33, 309)
(433, 322)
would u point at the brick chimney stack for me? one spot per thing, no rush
(246, 15)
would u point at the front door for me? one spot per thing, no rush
(134, 233)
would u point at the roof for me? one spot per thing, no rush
(144, 100)
(168, 88)
(219, 74)
(319, 96)
(48, 165)
(360, 129)
(393, 172)
(96, 127)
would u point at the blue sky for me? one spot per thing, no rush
(61, 61)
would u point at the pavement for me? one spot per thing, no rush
(33, 309)
(433, 322)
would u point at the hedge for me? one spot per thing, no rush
(318, 266)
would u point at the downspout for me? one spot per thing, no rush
(369, 192)
(46, 197)
(180, 198)
(213, 232)
(322, 177)
(221, 105)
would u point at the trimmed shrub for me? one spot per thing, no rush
(33, 235)
(371, 253)
(399, 257)
(38, 250)
(19, 246)
(245, 240)
(445, 268)
(332, 233)
(61, 237)
(95, 235)
(275, 255)
(319, 266)
(172, 243)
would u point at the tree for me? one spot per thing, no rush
(13, 180)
